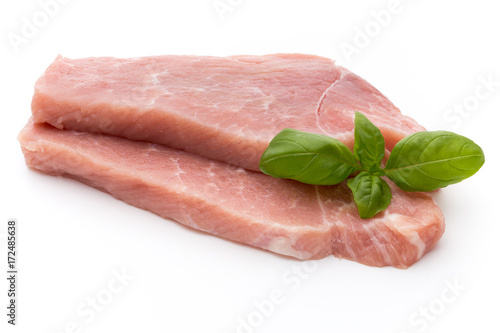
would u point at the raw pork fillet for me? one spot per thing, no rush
(283, 216)
(224, 108)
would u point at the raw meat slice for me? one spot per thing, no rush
(224, 108)
(283, 216)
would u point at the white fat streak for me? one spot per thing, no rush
(415, 239)
(339, 224)
(347, 244)
(154, 78)
(320, 203)
(190, 223)
(406, 228)
(284, 245)
(374, 239)
(322, 98)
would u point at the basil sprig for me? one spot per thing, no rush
(423, 161)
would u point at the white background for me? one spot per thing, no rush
(426, 57)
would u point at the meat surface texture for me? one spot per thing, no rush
(282, 216)
(224, 108)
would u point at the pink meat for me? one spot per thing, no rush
(224, 108)
(283, 216)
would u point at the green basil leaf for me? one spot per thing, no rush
(308, 158)
(369, 144)
(426, 161)
(371, 193)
